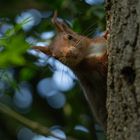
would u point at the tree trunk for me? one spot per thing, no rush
(123, 97)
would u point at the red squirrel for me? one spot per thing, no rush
(88, 59)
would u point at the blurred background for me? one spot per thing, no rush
(35, 85)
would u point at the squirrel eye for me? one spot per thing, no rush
(70, 37)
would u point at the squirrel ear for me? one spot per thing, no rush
(45, 50)
(57, 23)
(60, 25)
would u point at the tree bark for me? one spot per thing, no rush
(123, 95)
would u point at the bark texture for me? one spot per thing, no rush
(123, 97)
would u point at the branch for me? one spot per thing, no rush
(35, 126)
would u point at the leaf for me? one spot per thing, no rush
(15, 46)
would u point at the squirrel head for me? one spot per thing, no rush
(69, 47)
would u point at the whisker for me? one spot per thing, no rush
(90, 32)
(89, 29)
(87, 33)
(78, 41)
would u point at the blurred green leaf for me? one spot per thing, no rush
(26, 74)
(14, 48)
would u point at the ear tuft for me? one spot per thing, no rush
(60, 25)
(57, 23)
(54, 18)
